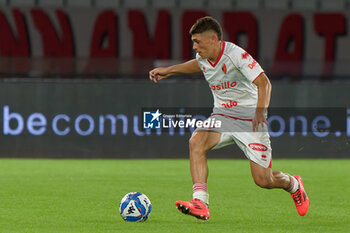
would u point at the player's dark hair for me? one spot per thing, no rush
(205, 24)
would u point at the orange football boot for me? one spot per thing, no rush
(300, 198)
(195, 208)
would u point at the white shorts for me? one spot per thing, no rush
(255, 145)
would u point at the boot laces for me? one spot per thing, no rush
(297, 197)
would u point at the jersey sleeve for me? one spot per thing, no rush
(246, 64)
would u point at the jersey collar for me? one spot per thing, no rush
(220, 55)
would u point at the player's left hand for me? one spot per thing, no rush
(259, 119)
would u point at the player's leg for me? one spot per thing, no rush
(257, 148)
(200, 143)
(266, 178)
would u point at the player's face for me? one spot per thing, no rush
(203, 44)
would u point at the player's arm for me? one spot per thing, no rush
(264, 93)
(190, 67)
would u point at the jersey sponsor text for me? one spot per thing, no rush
(224, 85)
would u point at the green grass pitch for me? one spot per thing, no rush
(48, 196)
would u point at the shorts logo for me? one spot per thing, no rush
(257, 147)
(263, 157)
(151, 120)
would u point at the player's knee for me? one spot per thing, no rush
(196, 144)
(263, 181)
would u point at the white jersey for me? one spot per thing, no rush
(231, 79)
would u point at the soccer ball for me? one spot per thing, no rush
(135, 207)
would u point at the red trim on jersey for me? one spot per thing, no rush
(258, 76)
(220, 55)
(236, 118)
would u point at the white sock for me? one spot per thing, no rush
(202, 196)
(294, 184)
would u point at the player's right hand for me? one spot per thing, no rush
(158, 74)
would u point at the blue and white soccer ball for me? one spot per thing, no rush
(135, 207)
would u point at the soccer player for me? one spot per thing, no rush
(241, 92)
